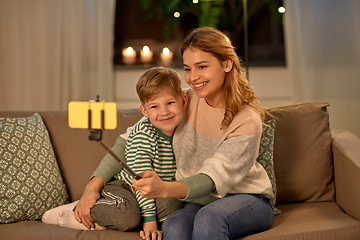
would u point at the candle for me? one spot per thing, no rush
(146, 55)
(166, 56)
(129, 55)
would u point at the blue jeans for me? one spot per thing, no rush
(227, 218)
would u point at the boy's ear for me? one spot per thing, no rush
(143, 110)
(228, 65)
(184, 101)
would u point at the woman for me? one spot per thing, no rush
(225, 191)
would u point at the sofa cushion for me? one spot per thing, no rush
(265, 157)
(30, 180)
(37, 230)
(302, 153)
(318, 220)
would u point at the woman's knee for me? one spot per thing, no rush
(179, 225)
(233, 217)
(171, 226)
(209, 222)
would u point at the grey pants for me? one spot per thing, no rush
(118, 208)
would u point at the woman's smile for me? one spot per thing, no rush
(200, 85)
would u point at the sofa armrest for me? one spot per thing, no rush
(346, 153)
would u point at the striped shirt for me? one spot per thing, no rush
(147, 148)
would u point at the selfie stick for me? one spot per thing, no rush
(96, 134)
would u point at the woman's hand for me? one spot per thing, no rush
(151, 186)
(150, 231)
(87, 201)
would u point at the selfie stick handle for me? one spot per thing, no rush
(136, 176)
(96, 134)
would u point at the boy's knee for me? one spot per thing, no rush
(122, 217)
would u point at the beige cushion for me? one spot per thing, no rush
(302, 153)
(301, 221)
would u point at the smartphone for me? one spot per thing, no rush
(88, 115)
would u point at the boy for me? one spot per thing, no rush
(148, 147)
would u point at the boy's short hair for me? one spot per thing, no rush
(153, 80)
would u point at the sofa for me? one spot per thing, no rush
(317, 173)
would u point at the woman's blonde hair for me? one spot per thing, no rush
(154, 80)
(237, 90)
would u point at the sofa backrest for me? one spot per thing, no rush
(302, 153)
(302, 150)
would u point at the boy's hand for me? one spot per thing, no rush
(150, 231)
(87, 201)
(151, 234)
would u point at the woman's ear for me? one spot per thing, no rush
(143, 110)
(228, 65)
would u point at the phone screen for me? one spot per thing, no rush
(79, 115)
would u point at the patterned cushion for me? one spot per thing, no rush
(30, 179)
(265, 157)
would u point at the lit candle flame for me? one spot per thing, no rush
(166, 51)
(146, 49)
(129, 50)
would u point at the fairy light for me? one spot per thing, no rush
(281, 9)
